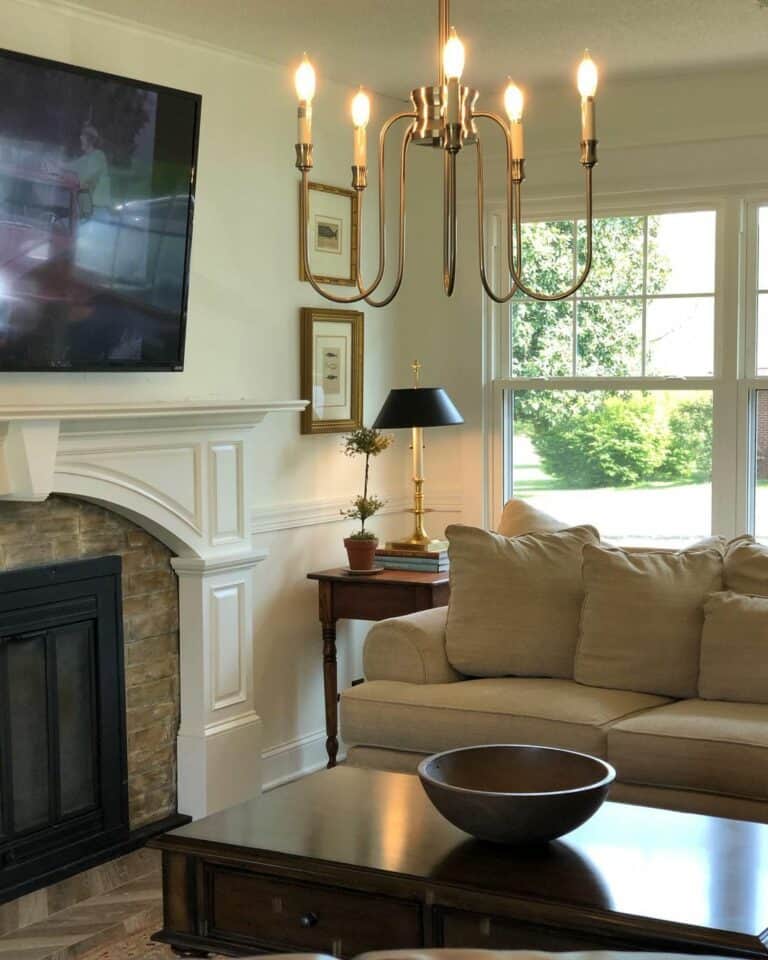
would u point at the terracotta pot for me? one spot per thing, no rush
(361, 553)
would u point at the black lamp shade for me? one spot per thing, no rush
(417, 407)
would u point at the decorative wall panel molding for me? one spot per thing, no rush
(225, 466)
(143, 470)
(228, 613)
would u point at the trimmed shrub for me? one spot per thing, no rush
(689, 450)
(617, 443)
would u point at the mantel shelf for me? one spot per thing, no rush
(241, 410)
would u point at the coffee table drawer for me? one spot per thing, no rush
(276, 913)
(476, 930)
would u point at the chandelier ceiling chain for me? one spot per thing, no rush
(444, 117)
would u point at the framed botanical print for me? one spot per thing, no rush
(331, 370)
(332, 237)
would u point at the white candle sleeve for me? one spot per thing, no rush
(418, 452)
(452, 101)
(360, 151)
(305, 122)
(518, 141)
(588, 118)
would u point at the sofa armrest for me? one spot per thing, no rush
(410, 648)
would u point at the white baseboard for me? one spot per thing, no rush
(294, 759)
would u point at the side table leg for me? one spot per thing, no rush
(331, 691)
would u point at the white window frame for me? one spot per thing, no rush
(733, 384)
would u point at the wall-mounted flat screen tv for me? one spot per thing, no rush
(97, 177)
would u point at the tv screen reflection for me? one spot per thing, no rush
(96, 193)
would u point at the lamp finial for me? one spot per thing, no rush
(416, 366)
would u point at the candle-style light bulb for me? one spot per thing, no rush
(361, 114)
(305, 81)
(514, 102)
(453, 67)
(587, 83)
(587, 76)
(361, 108)
(305, 91)
(453, 56)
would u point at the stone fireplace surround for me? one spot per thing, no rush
(182, 472)
(61, 529)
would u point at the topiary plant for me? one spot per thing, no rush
(368, 443)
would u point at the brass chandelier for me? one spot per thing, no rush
(444, 117)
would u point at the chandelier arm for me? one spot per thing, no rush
(304, 230)
(449, 221)
(385, 301)
(505, 297)
(516, 271)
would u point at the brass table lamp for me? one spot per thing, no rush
(417, 407)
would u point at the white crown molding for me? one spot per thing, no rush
(311, 513)
(137, 26)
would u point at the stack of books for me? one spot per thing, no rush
(425, 561)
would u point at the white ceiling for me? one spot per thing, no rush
(389, 45)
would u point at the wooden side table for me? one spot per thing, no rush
(392, 593)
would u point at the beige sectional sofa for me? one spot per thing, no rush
(654, 660)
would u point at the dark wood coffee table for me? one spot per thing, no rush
(348, 860)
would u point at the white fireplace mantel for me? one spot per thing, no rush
(182, 470)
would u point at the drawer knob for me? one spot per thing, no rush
(308, 920)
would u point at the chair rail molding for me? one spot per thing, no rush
(184, 472)
(313, 512)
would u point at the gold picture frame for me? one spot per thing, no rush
(331, 370)
(332, 240)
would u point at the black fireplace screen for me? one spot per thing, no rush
(63, 782)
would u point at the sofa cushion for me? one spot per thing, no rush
(519, 517)
(515, 601)
(642, 618)
(746, 567)
(432, 717)
(734, 648)
(705, 745)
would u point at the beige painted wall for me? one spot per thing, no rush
(243, 327)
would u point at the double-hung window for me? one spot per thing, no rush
(612, 401)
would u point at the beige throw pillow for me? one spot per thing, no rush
(746, 567)
(642, 618)
(519, 518)
(515, 601)
(734, 649)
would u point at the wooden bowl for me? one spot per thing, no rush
(516, 793)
